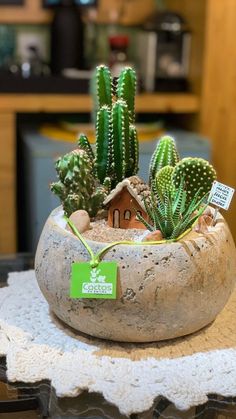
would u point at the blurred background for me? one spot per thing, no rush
(185, 58)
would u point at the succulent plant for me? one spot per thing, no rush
(116, 136)
(77, 187)
(197, 172)
(84, 144)
(170, 212)
(164, 180)
(165, 154)
(125, 90)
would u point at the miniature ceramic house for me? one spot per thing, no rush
(122, 202)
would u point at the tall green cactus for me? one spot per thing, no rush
(126, 88)
(77, 187)
(103, 86)
(103, 140)
(116, 137)
(166, 154)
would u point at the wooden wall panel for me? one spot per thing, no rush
(218, 107)
(7, 183)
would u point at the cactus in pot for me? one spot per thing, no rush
(165, 154)
(116, 157)
(197, 172)
(116, 136)
(77, 187)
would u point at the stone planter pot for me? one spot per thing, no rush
(164, 291)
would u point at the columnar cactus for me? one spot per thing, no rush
(166, 154)
(116, 136)
(103, 141)
(125, 90)
(77, 187)
(198, 174)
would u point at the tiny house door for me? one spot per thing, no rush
(116, 218)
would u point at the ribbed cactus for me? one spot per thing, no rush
(77, 187)
(103, 141)
(116, 137)
(166, 154)
(164, 181)
(103, 86)
(126, 88)
(84, 144)
(198, 173)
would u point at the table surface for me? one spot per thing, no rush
(38, 400)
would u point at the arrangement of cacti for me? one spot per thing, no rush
(170, 212)
(86, 177)
(167, 170)
(77, 187)
(179, 189)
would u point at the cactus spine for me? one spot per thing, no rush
(166, 154)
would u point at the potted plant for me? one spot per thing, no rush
(176, 263)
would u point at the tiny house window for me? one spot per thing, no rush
(127, 215)
(140, 213)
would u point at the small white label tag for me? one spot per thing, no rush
(221, 195)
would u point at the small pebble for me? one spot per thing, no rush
(81, 221)
(153, 236)
(204, 222)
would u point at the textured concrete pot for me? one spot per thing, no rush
(164, 291)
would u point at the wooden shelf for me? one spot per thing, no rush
(145, 103)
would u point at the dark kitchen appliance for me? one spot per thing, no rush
(164, 52)
(67, 38)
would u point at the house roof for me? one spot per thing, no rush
(137, 188)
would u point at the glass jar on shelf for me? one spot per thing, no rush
(118, 57)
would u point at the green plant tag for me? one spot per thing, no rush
(98, 282)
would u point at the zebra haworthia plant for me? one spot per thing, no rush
(170, 212)
(179, 189)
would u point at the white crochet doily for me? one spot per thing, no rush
(38, 347)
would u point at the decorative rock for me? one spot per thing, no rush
(153, 236)
(164, 290)
(81, 220)
(203, 223)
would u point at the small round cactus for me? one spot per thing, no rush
(198, 173)
(164, 180)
